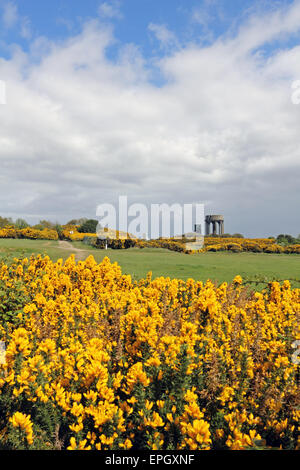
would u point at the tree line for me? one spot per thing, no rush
(85, 225)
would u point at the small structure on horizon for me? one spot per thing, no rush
(214, 220)
(198, 229)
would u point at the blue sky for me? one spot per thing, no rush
(166, 101)
(199, 21)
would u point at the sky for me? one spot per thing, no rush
(164, 101)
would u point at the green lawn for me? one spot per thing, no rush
(222, 266)
(10, 247)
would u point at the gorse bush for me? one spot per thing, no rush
(97, 361)
(115, 239)
(29, 233)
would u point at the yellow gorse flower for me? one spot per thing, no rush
(23, 422)
(116, 363)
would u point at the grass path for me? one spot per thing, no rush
(80, 254)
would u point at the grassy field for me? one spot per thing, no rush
(222, 266)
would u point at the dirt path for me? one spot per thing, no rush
(79, 253)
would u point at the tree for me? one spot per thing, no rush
(89, 226)
(285, 239)
(20, 224)
(44, 224)
(59, 230)
(4, 221)
(77, 221)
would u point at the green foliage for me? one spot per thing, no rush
(44, 224)
(285, 239)
(77, 221)
(21, 223)
(89, 226)
(114, 244)
(259, 280)
(15, 440)
(4, 221)
(90, 241)
(12, 301)
(59, 230)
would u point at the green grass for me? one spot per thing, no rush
(17, 248)
(222, 266)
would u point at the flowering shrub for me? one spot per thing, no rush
(71, 233)
(31, 233)
(255, 245)
(8, 232)
(241, 241)
(120, 240)
(214, 247)
(291, 249)
(77, 236)
(275, 249)
(97, 361)
(234, 247)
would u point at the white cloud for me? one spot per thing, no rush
(110, 9)
(79, 129)
(205, 15)
(263, 29)
(25, 28)
(166, 37)
(10, 15)
(12, 19)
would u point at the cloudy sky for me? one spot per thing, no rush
(165, 101)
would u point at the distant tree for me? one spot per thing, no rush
(44, 224)
(77, 221)
(4, 221)
(237, 235)
(280, 239)
(89, 226)
(290, 238)
(20, 224)
(285, 238)
(59, 230)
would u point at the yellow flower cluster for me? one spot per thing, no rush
(29, 232)
(256, 245)
(22, 421)
(233, 244)
(95, 360)
(71, 233)
(75, 236)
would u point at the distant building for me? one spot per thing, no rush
(198, 229)
(214, 220)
